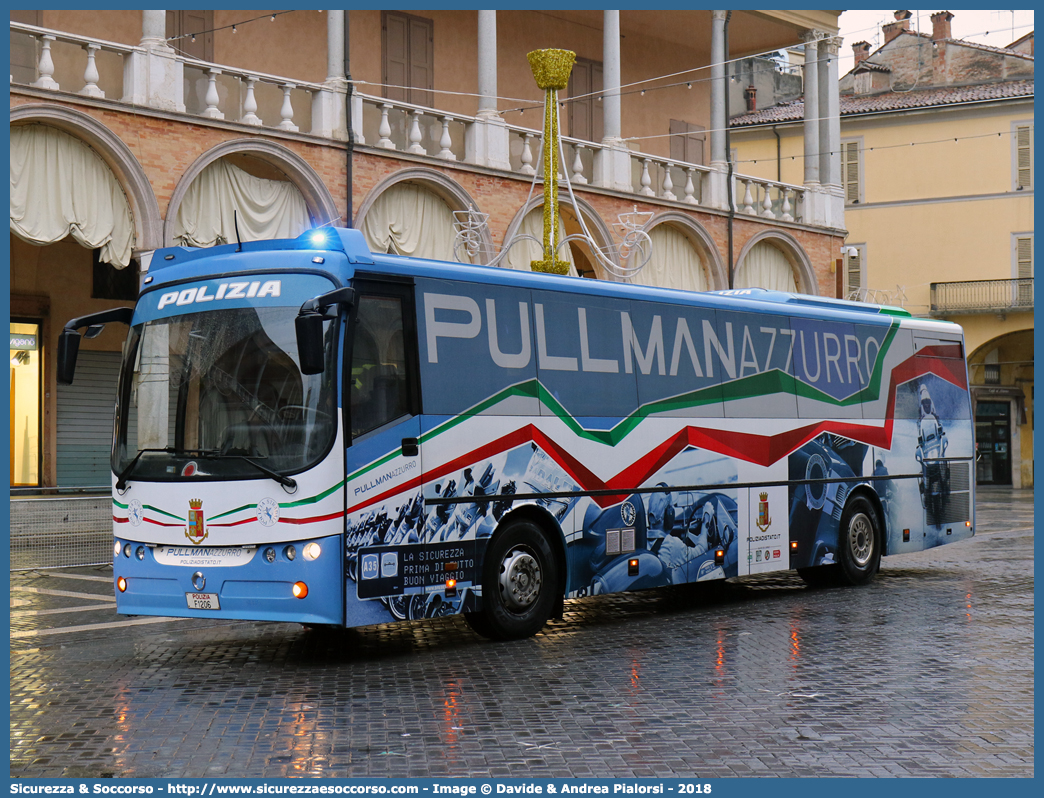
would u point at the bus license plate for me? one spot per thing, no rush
(203, 601)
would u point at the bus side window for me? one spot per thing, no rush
(379, 391)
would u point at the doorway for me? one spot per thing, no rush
(993, 443)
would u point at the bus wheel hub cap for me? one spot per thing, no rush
(520, 580)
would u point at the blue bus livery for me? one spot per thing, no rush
(310, 432)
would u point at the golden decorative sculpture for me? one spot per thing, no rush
(551, 69)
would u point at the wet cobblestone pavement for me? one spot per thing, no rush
(928, 671)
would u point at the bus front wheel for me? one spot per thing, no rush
(520, 576)
(860, 542)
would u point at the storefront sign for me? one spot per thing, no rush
(24, 341)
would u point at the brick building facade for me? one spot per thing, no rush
(135, 88)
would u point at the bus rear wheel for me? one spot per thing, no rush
(520, 577)
(860, 542)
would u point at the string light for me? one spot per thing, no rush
(868, 149)
(523, 109)
(233, 26)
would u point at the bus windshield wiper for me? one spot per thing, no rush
(121, 478)
(286, 482)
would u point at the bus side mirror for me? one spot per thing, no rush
(309, 327)
(69, 339)
(68, 348)
(310, 342)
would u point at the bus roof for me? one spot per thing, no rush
(358, 257)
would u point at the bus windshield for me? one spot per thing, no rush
(218, 393)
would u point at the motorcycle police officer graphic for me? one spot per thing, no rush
(934, 484)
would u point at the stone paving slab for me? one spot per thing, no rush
(927, 671)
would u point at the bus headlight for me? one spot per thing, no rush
(116, 549)
(127, 549)
(270, 554)
(140, 553)
(300, 590)
(291, 553)
(312, 551)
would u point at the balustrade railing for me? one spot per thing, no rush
(982, 296)
(663, 178)
(769, 199)
(48, 59)
(52, 60)
(402, 127)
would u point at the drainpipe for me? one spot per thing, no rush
(779, 158)
(348, 119)
(728, 149)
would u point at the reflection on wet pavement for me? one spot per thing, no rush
(928, 671)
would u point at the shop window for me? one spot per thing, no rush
(25, 403)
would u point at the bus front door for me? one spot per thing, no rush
(382, 463)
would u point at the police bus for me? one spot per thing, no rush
(310, 432)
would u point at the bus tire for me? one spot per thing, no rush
(520, 576)
(860, 542)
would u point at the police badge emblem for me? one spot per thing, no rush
(196, 531)
(763, 522)
(628, 513)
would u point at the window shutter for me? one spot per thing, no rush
(853, 274)
(421, 61)
(1024, 270)
(184, 24)
(408, 55)
(1025, 257)
(597, 119)
(850, 171)
(686, 141)
(585, 114)
(394, 31)
(1024, 145)
(579, 85)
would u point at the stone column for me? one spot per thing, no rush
(487, 140)
(611, 75)
(329, 115)
(830, 130)
(612, 163)
(153, 74)
(811, 91)
(154, 28)
(829, 109)
(487, 62)
(334, 46)
(719, 195)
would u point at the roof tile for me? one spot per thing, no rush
(895, 101)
